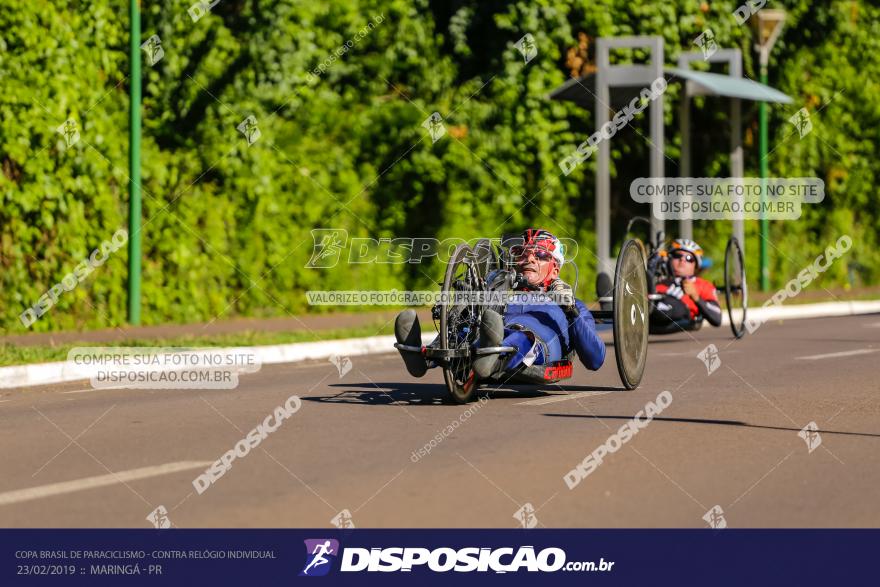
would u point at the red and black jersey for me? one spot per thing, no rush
(705, 288)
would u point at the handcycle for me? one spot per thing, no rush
(734, 286)
(459, 317)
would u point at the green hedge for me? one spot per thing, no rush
(227, 226)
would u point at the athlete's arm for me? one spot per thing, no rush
(707, 302)
(710, 310)
(584, 338)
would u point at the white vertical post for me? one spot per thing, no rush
(685, 224)
(658, 168)
(603, 170)
(736, 150)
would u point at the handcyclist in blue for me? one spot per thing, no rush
(541, 332)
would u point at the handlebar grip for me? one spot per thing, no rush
(520, 282)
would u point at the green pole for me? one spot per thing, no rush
(765, 223)
(134, 171)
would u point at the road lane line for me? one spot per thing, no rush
(53, 489)
(560, 398)
(692, 353)
(835, 355)
(87, 390)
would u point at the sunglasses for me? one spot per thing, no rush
(686, 256)
(521, 252)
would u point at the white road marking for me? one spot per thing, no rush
(53, 489)
(692, 353)
(88, 389)
(108, 389)
(835, 355)
(96, 389)
(560, 398)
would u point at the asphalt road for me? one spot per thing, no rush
(73, 456)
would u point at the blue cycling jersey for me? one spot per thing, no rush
(551, 326)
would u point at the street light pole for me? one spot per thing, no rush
(769, 26)
(134, 171)
(762, 147)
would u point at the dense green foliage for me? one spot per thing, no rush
(227, 225)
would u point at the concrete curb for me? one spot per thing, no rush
(821, 310)
(62, 371)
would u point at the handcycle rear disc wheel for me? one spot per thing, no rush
(459, 323)
(735, 289)
(630, 311)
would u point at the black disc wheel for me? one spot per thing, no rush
(735, 289)
(459, 322)
(631, 314)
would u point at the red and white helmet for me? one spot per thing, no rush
(543, 239)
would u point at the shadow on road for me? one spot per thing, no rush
(528, 391)
(714, 422)
(424, 394)
(385, 394)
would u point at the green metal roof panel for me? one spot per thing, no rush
(582, 91)
(733, 87)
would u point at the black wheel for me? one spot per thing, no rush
(735, 289)
(485, 256)
(459, 322)
(631, 314)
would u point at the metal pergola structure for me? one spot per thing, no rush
(733, 58)
(613, 86)
(732, 86)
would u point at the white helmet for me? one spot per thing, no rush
(689, 246)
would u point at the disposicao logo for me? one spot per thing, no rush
(320, 554)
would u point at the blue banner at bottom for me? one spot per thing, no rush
(435, 557)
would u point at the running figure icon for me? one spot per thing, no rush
(318, 553)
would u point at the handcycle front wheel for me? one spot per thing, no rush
(459, 323)
(485, 256)
(630, 313)
(735, 289)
